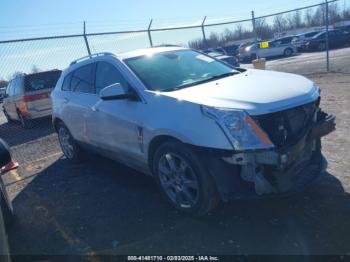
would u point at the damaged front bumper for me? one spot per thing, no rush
(279, 171)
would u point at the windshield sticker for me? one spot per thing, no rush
(205, 58)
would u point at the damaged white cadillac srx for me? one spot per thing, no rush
(204, 130)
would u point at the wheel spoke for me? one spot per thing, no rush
(190, 184)
(171, 162)
(188, 196)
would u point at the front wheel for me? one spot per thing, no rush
(69, 146)
(183, 180)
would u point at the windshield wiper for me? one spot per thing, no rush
(221, 76)
(215, 77)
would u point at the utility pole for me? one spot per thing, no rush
(203, 32)
(327, 35)
(254, 31)
(86, 41)
(149, 33)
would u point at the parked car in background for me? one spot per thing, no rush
(231, 49)
(275, 49)
(221, 55)
(337, 38)
(27, 97)
(2, 93)
(300, 40)
(6, 209)
(285, 40)
(205, 131)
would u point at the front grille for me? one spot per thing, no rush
(287, 126)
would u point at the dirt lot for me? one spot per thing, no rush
(100, 207)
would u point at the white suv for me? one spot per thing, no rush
(205, 131)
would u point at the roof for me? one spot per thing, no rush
(148, 51)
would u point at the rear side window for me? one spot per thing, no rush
(82, 79)
(66, 82)
(107, 74)
(40, 81)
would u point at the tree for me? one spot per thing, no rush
(279, 23)
(3, 83)
(35, 69)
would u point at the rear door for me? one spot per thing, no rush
(79, 100)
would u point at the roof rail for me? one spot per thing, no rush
(90, 56)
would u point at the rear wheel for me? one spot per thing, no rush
(183, 180)
(25, 123)
(288, 52)
(69, 146)
(8, 118)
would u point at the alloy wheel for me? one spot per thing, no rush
(178, 180)
(65, 142)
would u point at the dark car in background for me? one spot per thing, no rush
(220, 54)
(28, 97)
(337, 38)
(231, 49)
(300, 39)
(285, 40)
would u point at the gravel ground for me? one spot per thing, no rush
(100, 207)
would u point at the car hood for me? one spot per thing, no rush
(256, 91)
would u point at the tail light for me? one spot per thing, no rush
(30, 98)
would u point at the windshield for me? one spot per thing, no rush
(172, 70)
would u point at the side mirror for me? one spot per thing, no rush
(115, 92)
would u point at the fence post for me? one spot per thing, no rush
(254, 32)
(86, 41)
(203, 32)
(149, 33)
(327, 36)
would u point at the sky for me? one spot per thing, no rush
(35, 18)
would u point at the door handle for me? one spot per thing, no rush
(94, 108)
(65, 100)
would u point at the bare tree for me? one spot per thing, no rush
(35, 69)
(279, 23)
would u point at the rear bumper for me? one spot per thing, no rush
(271, 173)
(34, 114)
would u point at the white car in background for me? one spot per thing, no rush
(275, 49)
(204, 131)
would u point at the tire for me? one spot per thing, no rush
(321, 46)
(8, 118)
(69, 146)
(288, 52)
(183, 180)
(25, 123)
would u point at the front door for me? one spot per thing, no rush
(112, 125)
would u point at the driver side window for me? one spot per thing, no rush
(107, 74)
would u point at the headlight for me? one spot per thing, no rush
(239, 127)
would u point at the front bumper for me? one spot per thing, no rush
(267, 173)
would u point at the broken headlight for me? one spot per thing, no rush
(239, 127)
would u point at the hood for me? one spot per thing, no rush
(256, 91)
